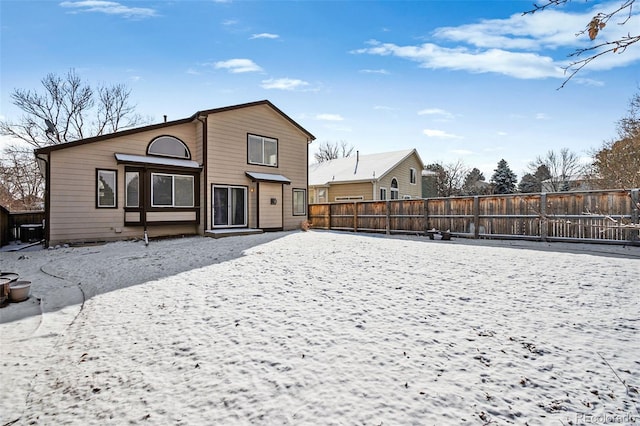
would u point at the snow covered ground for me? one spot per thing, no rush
(323, 328)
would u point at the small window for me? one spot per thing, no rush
(412, 176)
(299, 202)
(262, 151)
(169, 146)
(172, 190)
(106, 184)
(406, 197)
(322, 195)
(383, 193)
(132, 192)
(349, 198)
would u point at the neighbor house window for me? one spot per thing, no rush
(383, 193)
(395, 193)
(412, 176)
(172, 190)
(299, 202)
(132, 189)
(106, 184)
(322, 195)
(262, 150)
(168, 146)
(349, 198)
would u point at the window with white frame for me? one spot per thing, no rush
(299, 202)
(262, 150)
(106, 187)
(395, 192)
(412, 176)
(168, 190)
(383, 194)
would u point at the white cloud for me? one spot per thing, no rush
(264, 35)
(380, 71)
(461, 151)
(109, 8)
(329, 117)
(283, 84)
(502, 133)
(230, 22)
(542, 116)
(523, 47)
(440, 134)
(429, 55)
(236, 66)
(384, 108)
(437, 112)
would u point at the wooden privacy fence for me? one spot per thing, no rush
(608, 216)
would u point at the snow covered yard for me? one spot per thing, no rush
(324, 328)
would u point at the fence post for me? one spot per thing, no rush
(388, 219)
(329, 216)
(355, 216)
(476, 217)
(544, 228)
(426, 216)
(635, 212)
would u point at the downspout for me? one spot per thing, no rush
(143, 184)
(204, 179)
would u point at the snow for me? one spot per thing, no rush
(318, 327)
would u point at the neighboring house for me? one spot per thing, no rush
(384, 176)
(429, 184)
(242, 166)
(572, 183)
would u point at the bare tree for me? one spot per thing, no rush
(67, 109)
(623, 10)
(449, 177)
(73, 109)
(330, 151)
(616, 164)
(561, 166)
(20, 181)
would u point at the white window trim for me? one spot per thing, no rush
(413, 176)
(396, 190)
(262, 140)
(386, 194)
(229, 210)
(173, 191)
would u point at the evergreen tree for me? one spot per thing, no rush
(504, 180)
(529, 184)
(474, 183)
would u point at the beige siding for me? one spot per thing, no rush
(401, 173)
(73, 213)
(168, 216)
(227, 155)
(351, 190)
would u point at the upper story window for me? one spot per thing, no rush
(412, 176)
(169, 146)
(395, 192)
(262, 150)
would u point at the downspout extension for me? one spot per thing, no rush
(205, 136)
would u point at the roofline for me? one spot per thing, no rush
(400, 161)
(48, 149)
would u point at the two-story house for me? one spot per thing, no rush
(382, 176)
(242, 166)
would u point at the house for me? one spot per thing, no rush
(571, 183)
(237, 167)
(383, 176)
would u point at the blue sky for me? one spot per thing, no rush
(458, 80)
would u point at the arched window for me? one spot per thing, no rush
(395, 193)
(169, 146)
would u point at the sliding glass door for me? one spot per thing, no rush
(229, 206)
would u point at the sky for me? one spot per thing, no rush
(470, 81)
